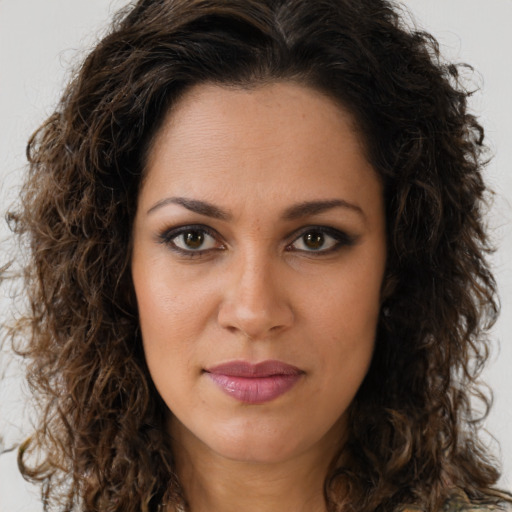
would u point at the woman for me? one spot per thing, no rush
(258, 276)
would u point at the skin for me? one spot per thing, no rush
(255, 290)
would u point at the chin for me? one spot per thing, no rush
(248, 452)
(259, 445)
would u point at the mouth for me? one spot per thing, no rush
(254, 383)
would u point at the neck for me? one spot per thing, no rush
(213, 483)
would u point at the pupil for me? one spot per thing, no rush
(314, 240)
(194, 239)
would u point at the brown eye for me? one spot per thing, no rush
(314, 240)
(193, 239)
(321, 240)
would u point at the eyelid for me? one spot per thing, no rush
(342, 238)
(167, 236)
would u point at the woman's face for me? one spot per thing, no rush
(258, 258)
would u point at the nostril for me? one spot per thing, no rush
(253, 302)
(254, 323)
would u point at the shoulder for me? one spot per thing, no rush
(459, 502)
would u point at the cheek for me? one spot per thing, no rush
(168, 317)
(345, 322)
(170, 304)
(168, 324)
(348, 304)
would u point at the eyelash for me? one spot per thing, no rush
(340, 238)
(168, 238)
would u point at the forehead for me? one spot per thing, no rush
(270, 137)
(215, 113)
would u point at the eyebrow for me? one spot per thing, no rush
(294, 212)
(194, 205)
(316, 207)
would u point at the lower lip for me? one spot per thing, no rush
(255, 390)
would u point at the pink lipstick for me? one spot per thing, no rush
(254, 383)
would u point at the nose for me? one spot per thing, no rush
(255, 301)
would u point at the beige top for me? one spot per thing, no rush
(459, 502)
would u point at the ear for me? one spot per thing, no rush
(389, 284)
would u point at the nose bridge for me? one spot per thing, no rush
(254, 302)
(254, 288)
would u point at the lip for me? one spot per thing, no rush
(254, 383)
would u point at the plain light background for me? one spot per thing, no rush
(40, 40)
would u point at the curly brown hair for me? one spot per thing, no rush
(101, 444)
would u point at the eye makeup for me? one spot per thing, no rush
(196, 240)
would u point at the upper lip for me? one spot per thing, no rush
(246, 369)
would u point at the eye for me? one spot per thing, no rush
(321, 240)
(191, 239)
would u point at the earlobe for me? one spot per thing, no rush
(388, 287)
(127, 296)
